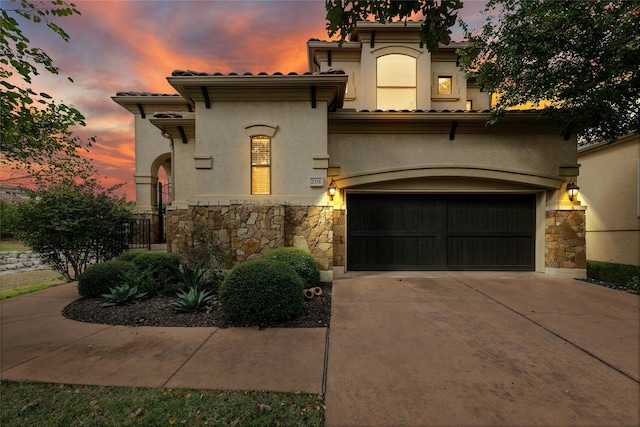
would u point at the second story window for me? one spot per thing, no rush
(445, 85)
(260, 165)
(396, 82)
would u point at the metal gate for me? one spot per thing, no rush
(136, 233)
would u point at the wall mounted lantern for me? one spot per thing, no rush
(572, 190)
(332, 189)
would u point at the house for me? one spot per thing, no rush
(610, 181)
(398, 133)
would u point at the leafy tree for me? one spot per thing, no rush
(36, 138)
(439, 16)
(577, 60)
(72, 225)
(8, 217)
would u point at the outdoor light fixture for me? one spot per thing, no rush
(572, 190)
(332, 189)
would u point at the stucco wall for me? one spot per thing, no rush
(528, 154)
(150, 145)
(610, 187)
(301, 133)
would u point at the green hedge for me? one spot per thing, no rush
(301, 261)
(262, 291)
(609, 272)
(99, 278)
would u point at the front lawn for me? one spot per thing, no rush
(13, 285)
(11, 245)
(33, 404)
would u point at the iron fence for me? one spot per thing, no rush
(136, 234)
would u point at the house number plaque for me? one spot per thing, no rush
(316, 182)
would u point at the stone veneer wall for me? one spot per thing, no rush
(565, 239)
(311, 228)
(339, 237)
(235, 233)
(242, 232)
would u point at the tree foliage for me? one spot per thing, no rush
(37, 138)
(8, 217)
(438, 17)
(72, 225)
(577, 60)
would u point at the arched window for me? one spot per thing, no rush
(396, 82)
(260, 164)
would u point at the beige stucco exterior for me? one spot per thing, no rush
(610, 184)
(325, 124)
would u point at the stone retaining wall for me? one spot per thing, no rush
(15, 262)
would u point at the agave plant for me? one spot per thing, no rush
(123, 295)
(194, 300)
(191, 278)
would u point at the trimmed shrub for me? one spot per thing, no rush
(262, 291)
(128, 256)
(301, 261)
(609, 272)
(156, 269)
(99, 278)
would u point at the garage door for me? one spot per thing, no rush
(440, 232)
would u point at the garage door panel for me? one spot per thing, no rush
(394, 253)
(489, 253)
(491, 213)
(440, 232)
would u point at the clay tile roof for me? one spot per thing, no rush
(167, 115)
(188, 73)
(145, 94)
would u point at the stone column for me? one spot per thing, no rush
(565, 243)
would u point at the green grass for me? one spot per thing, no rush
(10, 245)
(32, 404)
(13, 285)
(27, 289)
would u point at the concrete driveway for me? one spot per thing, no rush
(481, 349)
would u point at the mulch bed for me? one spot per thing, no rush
(158, 311)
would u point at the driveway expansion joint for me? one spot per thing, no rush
(190, 357)
(582, 349)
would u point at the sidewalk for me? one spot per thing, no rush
(38, 344)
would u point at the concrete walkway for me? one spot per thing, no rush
(481, 349)
(38, 344)
(405, 349)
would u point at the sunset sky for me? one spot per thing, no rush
(134, 45)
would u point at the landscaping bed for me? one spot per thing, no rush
(158, 311)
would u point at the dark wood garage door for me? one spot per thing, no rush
(440, 232)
